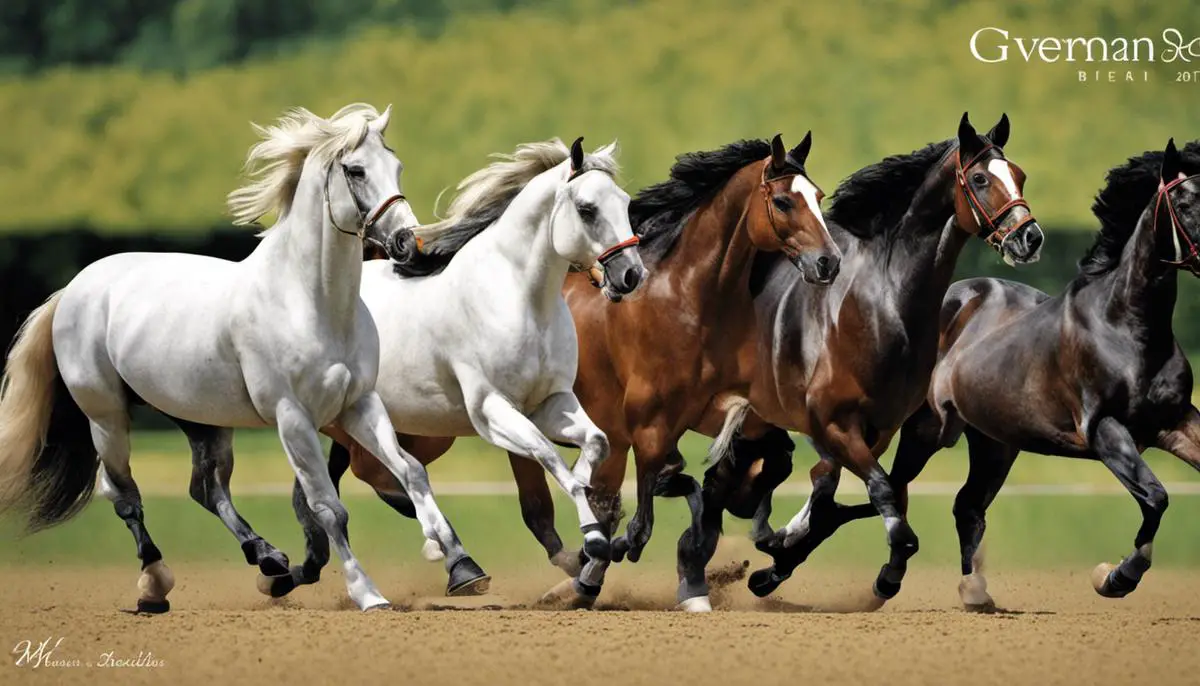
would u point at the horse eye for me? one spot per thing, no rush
(782, 203)
(356, 172)
(980, 179)
(587, 212)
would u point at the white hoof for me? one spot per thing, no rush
(432, 551)
(376, 602)
(561, 592)
(1100, 576)
(156, 581)
(973, 591)
(568, 561)
(697, 604)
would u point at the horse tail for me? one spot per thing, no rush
(735, 416)
(47, 461)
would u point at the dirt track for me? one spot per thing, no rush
(221, 631)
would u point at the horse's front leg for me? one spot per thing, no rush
(537, 511)
(1183, 441)
(366, 421)
(1118, 451)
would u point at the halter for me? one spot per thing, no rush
(605, 256)
(1192, 261)
(766, 191)
(365, 221)
(994, 236)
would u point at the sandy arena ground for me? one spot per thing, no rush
(1056, 631)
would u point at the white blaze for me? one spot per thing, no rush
(804, 187)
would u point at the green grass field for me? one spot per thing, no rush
(1024, 530)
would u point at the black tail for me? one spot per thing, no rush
(64, 473)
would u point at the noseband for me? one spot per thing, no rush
(1192, 261)
(606, 256)
(365, 220)
(992, 234)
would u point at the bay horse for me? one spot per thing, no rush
(847, 365)
(279, 339)
(667, 360)
(1101, 374)
(476, 336)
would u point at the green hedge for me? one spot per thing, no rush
(130, 151)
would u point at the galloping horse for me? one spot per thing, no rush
(476, 336)
(848, 364)
(666, 361)
(1101, 374)
(280, 339)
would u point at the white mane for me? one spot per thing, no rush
(274, 164)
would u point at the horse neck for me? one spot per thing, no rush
(1142, 290)
(519, 248)
(921, 258)
(310, 260)
(726, 242)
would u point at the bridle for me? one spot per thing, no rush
(605, 257)
(365, 220)
(1192, 261)
(765, 187)
(991, 234)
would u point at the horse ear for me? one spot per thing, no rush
(968, 139)
(999, 133)
(577, 155)
(778, 153)
(800, 153)
(1172, 164)
(380, 123)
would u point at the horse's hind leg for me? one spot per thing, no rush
(537, 511)
(1118, 451)
(212, 465)
(920, 438)
(110, 435)
(1183, 441)
(990, 463)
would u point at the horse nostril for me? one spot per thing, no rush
(1035, 237)
(633, 276)
(827, 267)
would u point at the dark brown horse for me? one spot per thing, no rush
(688, 341)
(848, 364)
(1093, 373)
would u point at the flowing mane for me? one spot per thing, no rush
(872, 201)
(275, 163)
(482, 199)
(1129, 188)
(659, 212)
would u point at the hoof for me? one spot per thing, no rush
(1106, 584)
(620, 548)
(432, 551)
(377, 605)
(275, 586)
(467, 578)
(885, 590)
(697, 604)
(973, 592)
(153, 607)
(571, 593)
(561, 592)
(156, 581)
(274, 565)
(764, 582)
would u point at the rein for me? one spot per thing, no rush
(365, 220)
(1192, 261)
(994, 236)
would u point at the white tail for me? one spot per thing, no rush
(735, 416)
(26, 403)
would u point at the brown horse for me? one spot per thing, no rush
(1101, 376)
(687, 340)
(848, 364)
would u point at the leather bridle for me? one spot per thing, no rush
(1191, 262)
(765, 187)
(605, 257)
(365, 220)
(992, 233)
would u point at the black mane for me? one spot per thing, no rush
(1129, 188)
(872, 200)
(659, 212)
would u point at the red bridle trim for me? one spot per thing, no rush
(994, 236)
(1192, 261)
(607, 255)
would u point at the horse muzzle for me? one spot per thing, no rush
(1024, 245)
(819, 268)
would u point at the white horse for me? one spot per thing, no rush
(475, 335)
(280, 338)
